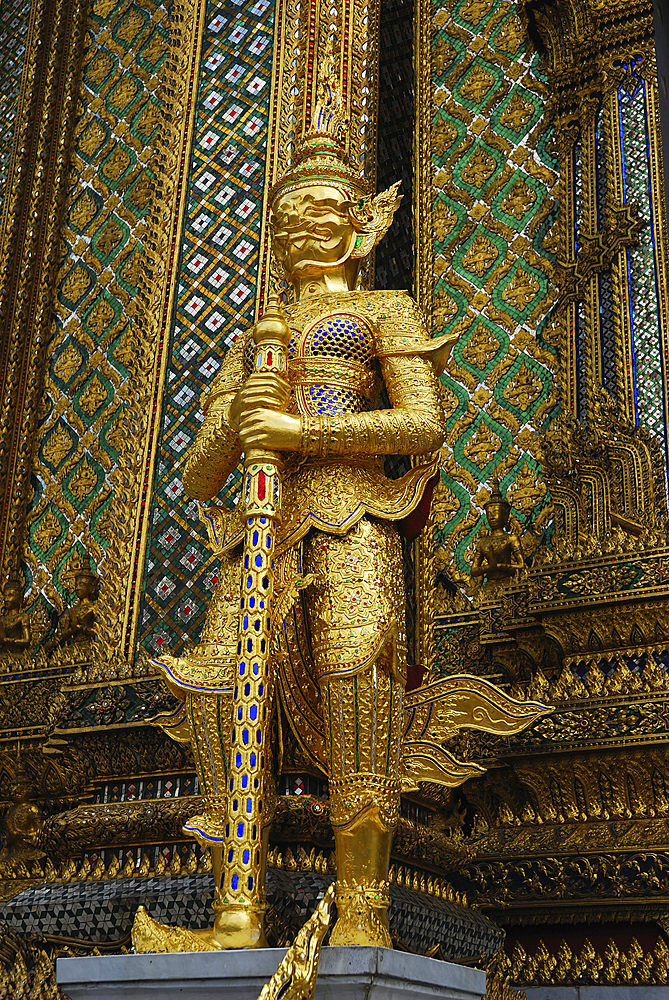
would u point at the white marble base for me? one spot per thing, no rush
(344, 974)
(597, 992)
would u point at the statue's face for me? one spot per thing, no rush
(497, 514)
(84, 586)
(312, 230)
(25, 823)
(13, 598)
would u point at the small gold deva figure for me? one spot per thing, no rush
(14, 623)
(77, 624)
(300, 394)
(499, 557)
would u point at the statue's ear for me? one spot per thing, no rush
(372, 218)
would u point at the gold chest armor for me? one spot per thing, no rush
(331, 366)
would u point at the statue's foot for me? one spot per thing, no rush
(238, 925)
(362, 917)
(150, 936)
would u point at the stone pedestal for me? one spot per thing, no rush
(344, 974)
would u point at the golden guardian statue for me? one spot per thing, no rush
(309, 608)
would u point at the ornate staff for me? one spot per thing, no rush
(250, 793)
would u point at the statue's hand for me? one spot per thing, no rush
(263, 428)
(256, 393)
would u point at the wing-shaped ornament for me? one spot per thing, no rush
(436, 712)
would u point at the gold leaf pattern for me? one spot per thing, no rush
(480, 256)
(445, 504)
(477, 84)
(92, 138)
(482, 446)
(84, 481)
(524, 388)
(481, 348)
(67, 363)
(517, 113)
(117, 164)
(83, 210)
(100, 317)
(155, 49)
(76, 284)
(519, 200)
(124, 92)
(57, 446)
(526, 492)
(475, 10)
(141, 192)
(130, 26)
(521, 290)
(444, 220)
(101, 66)
(110, 238)
(93, 396)
(449, 401)
(510, 35)
(445, 309)
(47, 530)
(443, 55)
(444, 135)
(131, 270)
(479, 168)
(148, 119)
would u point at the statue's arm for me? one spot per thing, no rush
(217, 448)
(415, 424)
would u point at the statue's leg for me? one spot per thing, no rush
(356, 614)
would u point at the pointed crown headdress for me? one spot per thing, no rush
(496, 496)
(80, 565)
(320, 159)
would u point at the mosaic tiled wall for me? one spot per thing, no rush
(647, 362)
(215, 301)
(492, 181)
(14, 23)
(90, 393)
(394, 256)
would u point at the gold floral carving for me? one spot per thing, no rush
(474, 11)
(481, 348)
(74, 286)
(523, 388)
(92, 138)
(48, 530)
(480, 256)
(67, 363)
(83, 211)
(101, 66)
(123, 93)
(445, 308)
(482, 446)
(443, 55)
(519, 200)
(84, 481)
(117, 163)
(131, 24)
(477, 84)
(517, 113)
(510, 35)
(445, 220)
(521, 290)
(93, 396)
(479, 167)
(100, 317)
(111, 236)
(57, 446)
